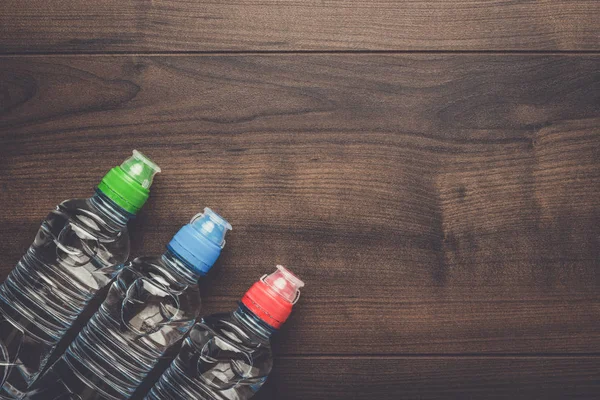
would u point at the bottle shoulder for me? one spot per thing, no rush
(75, 242)
(224, 359)
(228, 328)
(151, 276)
(77, 220)
(88, 217)
(147, 301)
(156, 269)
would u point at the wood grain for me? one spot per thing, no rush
(433, 378)
(443, 208)
(281, 25)
(434, 204)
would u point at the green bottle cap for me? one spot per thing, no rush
(129, 184)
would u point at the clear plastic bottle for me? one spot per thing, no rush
(228, 356)
(76, 252)
(152, 304)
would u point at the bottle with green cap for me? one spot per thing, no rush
(78, 250)
(151, 305)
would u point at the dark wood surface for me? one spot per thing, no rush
(434, 378)
(443, 208)
(284, 25)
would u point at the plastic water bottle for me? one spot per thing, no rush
(153, 303)
(76, 252)
(228, 356)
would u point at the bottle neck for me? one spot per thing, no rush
(180, 268)
(115, 214)
(252, 323)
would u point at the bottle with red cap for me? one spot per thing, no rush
(228, 356)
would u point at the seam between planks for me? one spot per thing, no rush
(473, 356)
(297, 52)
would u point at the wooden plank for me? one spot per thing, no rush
(275, 25)
(434, 378)
(433, 203)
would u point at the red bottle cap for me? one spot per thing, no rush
(272, 297)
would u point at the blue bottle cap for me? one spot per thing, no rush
(199, 243)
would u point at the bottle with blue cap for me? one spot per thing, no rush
(152, 304)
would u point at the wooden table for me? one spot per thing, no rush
(431, 169)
